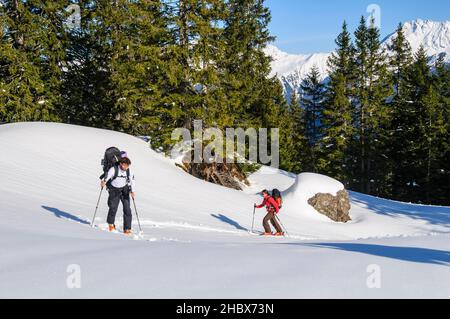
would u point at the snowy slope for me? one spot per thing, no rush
(196, 241)
(291, 69)
(434, 36)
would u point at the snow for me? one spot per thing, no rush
(196, 242)
(305, 187)
(284, 63)
(434, 36)
(291, 69)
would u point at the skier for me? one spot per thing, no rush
(272, 208)
(120, 184)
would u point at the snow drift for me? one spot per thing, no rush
(306, 186)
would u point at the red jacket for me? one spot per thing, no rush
(270, 204)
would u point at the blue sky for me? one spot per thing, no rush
(308, 26)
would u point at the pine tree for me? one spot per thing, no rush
(426, 142)
(400, 61)
(337, 129)
(87, 86)
(312, 101)
(251, 97)
(433, 132)
(380, 91)
(250, 92)
(371, 118)
(195, 47)
(139, 66)
(412, 171)
(31, 55)
(441, 177)
(117, 67)
(360, 113)
(312, 90)
(293, 141)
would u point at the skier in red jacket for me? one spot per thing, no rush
(272, 209)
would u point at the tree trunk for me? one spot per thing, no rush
(428, 178)
(183, 24)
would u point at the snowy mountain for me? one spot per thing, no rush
(196, 241)
(434, 36)
(291, 69)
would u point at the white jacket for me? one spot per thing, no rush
(121, 180)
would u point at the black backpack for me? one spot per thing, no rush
(111, 159)
(276, 194)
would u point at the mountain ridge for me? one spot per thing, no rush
(291, 69)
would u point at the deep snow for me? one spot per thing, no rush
(196, 241)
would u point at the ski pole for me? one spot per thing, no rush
(137, 216)
(96, 208)
(253, 222)
(285, 230)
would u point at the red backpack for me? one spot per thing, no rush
(276, 194)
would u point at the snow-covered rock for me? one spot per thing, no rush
(306, 186)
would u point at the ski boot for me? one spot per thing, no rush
(112, 228)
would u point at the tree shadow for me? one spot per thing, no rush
(229, 221)
(436, 215)
(410, 254)
(60, 214)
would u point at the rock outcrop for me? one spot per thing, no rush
(334, 207)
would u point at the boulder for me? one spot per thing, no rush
(334, 207)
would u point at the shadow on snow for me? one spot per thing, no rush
(229, 221)
(436, 215)
(410, 254)
(60, 214)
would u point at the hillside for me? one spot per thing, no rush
(196, 241)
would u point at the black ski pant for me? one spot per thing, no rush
(117, 195)
(270, 217)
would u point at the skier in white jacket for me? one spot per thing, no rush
(120, 183)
